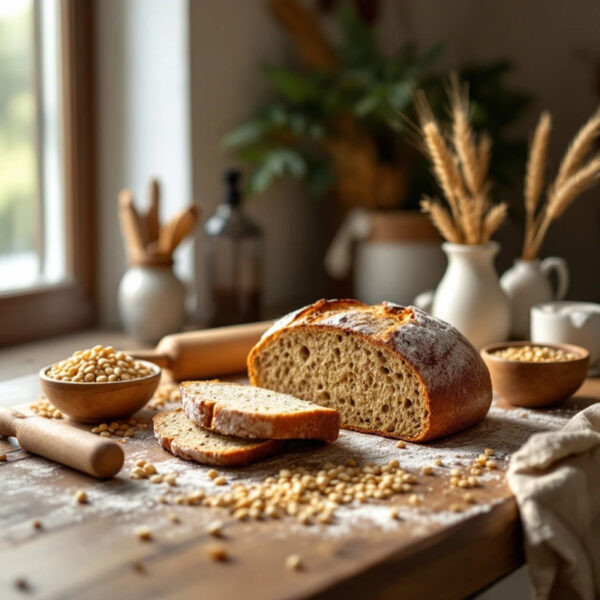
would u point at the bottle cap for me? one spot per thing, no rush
(233, 196)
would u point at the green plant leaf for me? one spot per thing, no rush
(247, 133)
(276, 163)
(358, 46)
(292, 85)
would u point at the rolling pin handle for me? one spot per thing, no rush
(161, 359)
(8, 421)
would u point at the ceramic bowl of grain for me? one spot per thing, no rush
(99, 384)
(536, 375)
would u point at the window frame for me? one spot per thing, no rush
(45, 311)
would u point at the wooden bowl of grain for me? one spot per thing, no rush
(535, 375)
(96, 402)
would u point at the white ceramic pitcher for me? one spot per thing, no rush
(527, 283)
(469, 295)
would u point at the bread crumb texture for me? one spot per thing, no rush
(385, 368)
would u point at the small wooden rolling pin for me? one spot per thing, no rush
(207, 353)
(69, 446)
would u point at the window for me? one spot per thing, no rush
(46, 168)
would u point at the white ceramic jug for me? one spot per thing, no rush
(151, 302)
(469, 295)
(527, 283)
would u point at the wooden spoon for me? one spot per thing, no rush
(69, 446)
(180, 225)
(131, 225)
(152, 223)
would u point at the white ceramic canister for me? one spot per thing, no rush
(568, 323)
(469, 295)
(527, 283)
(151, 302)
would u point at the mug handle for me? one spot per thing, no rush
(554, 263)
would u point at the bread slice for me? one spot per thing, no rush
(252, 412)
(388, 369)
(177, 434)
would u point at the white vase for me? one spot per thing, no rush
(527, 283)
(469, 295)
(151, 302)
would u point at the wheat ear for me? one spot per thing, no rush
(442, 220)
(534, 175)
(484, 152)
(561, 197)
(578, 148)
(444, 167)
(462, 135)
(493, 219)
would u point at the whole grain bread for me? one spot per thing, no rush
(177, 434)
(391, 370)
(253, 412)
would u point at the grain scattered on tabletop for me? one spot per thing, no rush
(36, 524)
(293, 562)
(214, 528)
(469, 497)
(220, 480)
(170, 479)
(212, 474)
(140, 463)
(138, 567)
(427, 470)
(400, 444)
(216, 552)
(394, 512)
(173, 518)
(149, 469)
(156, 479)
(455, 508)
(489, 451)
(143, 532)
(81, 496)
(2, 457)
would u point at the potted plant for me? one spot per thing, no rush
(334, 122)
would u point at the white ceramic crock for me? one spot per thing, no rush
(151, 302)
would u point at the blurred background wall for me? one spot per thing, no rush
(175, 75)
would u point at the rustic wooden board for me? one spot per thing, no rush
(89, 551)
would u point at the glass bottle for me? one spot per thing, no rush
(234, 247)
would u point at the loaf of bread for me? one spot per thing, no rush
(177, 434)
(252, 412)
(391, 370)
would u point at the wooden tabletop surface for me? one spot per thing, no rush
(90, 550)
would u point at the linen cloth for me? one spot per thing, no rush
(555, 478)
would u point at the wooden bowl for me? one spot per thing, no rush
(536, 384)
(96, 402)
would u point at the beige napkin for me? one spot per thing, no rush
(555, 477)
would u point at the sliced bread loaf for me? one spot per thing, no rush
(252, 412)
(177, 434)
(388, 369)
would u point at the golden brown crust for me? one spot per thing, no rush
(312, 422)
(219, 455)
(455, 378)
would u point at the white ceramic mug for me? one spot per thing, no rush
(568, 323)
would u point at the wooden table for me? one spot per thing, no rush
(90, 550)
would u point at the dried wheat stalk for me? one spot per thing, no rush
(442, 219)
(573, 179)
(579, 148)
(461, 170)
(535, 172)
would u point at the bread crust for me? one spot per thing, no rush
(455, 379)
(227, 457)
(316, 422)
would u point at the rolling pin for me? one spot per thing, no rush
(69, 446)
(207, 353)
